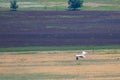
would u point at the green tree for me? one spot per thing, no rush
(13, 5)
(74, 4)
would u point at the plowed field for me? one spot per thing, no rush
(59, 28)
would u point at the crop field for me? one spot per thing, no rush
(60, 65)
(30, 30)
(61, 4)
(59, 28)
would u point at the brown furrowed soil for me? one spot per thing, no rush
(59, 28)
(96, 66)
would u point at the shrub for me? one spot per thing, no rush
(74, 4)
(13, 5)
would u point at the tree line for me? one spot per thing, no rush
(72, 4)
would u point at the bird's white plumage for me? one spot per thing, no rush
(82, 55)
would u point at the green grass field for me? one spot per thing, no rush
(61, 5)
(65, 48)
(34, 77)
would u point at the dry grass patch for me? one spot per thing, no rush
(95, 67)
(98, 4)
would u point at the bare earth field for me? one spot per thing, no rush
(60, 66)
(59, 28)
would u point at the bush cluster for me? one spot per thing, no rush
(13, 5)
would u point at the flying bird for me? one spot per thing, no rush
(82, 55)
